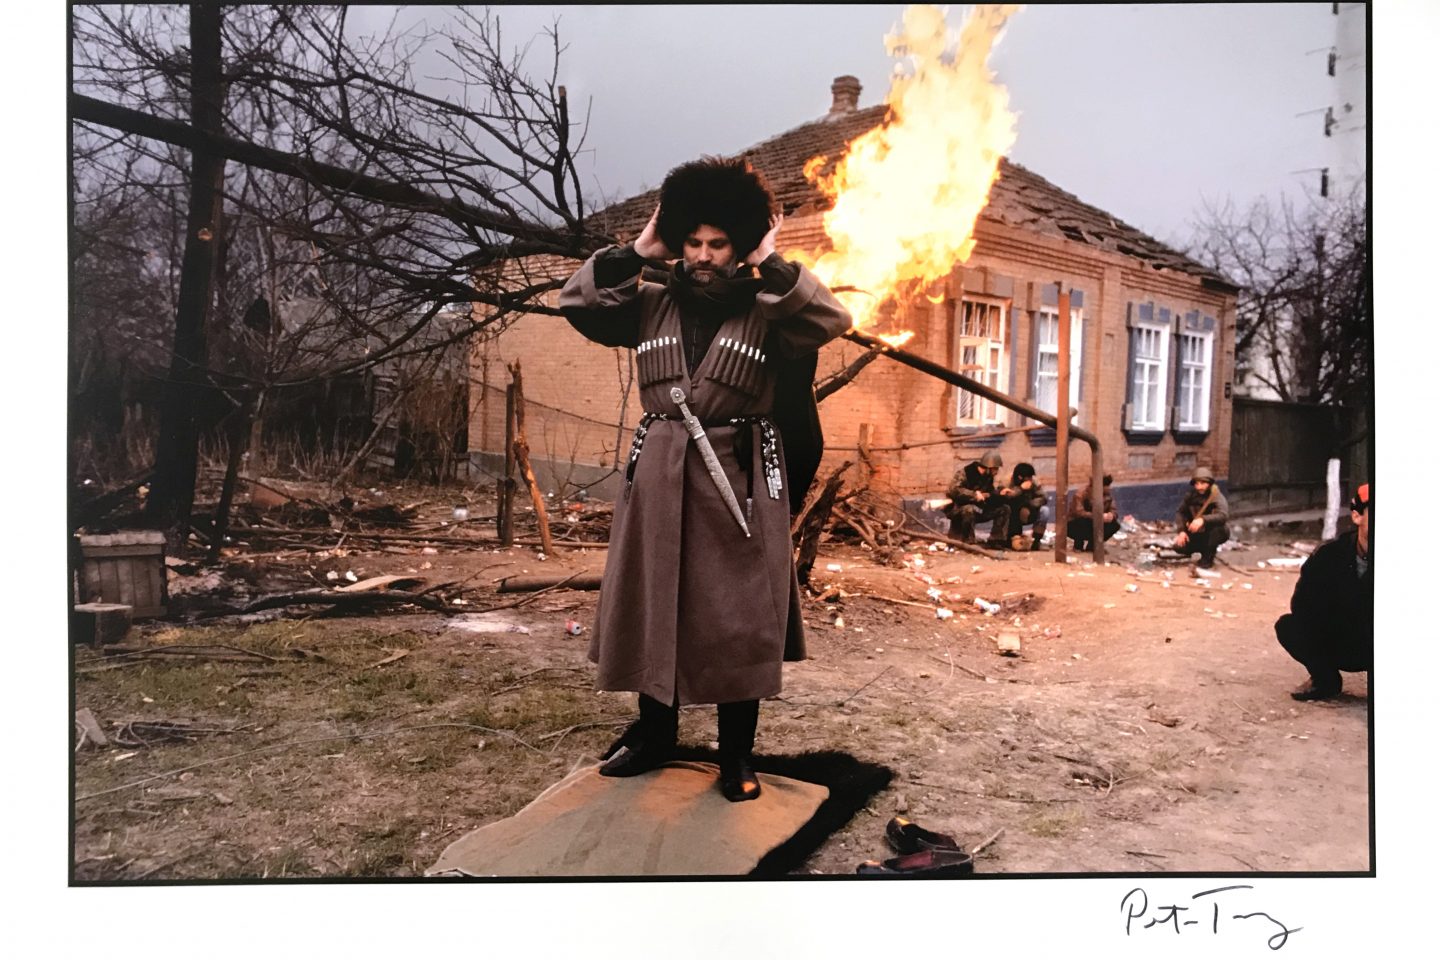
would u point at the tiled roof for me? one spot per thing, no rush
(1019, 198)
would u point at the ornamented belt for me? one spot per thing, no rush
(769, 450)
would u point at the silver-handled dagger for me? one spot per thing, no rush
(712, 462)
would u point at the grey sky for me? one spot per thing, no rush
(1141, 109)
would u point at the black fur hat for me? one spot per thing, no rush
(729, 195)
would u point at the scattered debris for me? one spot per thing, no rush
(1008, 643)
(482, 623)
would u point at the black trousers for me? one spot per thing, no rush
(737, 723)
(1082, 531)
(1206, 542)
(1324, 649)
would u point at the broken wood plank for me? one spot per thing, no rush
(381, 583)
(90, 730)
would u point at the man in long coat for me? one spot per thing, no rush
(693, 609)
(1331, 623)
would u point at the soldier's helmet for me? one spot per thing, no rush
(1203, 473)
(992, 460)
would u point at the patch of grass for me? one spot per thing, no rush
(373, 693)
(178, 688)
(1053, 823)
(288, 861)
(382, 851)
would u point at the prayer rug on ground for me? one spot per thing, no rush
(671, 822)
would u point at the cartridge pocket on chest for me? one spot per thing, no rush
(739, 365)
(659, 359)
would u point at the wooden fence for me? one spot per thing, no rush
(1279, 452)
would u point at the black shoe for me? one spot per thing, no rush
(1314, 691)
(634, 759)
(906, 836)
(926, 863)
(738, 780)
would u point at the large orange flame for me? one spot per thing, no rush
(906, 194)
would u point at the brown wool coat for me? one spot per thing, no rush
(691, 610)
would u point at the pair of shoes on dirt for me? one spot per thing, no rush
(923, 853)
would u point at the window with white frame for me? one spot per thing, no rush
(1147, 375)
(1192, 389)
(1047, 357)
(980, 355)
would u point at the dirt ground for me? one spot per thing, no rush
(1144, 725)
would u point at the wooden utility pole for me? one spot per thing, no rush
(177, 448)
(521, 449)
(505, 486)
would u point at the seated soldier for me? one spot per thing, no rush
(1026, 498)
(1201, 520)
(1080, 525)
(1331, 623)
(974, 499)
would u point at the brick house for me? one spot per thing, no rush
(1152, 348)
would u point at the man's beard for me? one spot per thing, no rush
(703, 275)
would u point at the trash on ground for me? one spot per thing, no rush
(484, 623)
(1008, 643)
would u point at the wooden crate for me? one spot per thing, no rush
(126, 567)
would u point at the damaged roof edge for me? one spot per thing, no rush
(1055, 212)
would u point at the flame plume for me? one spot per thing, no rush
(905, 195)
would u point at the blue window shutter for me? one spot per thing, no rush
(1131, 316)
(1050, 295)
(1077, 298)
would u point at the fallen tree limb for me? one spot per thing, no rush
(346, 601)
(576, 581)
(958, 544)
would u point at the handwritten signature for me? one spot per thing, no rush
(1136, 907)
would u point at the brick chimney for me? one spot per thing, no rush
(846, 93)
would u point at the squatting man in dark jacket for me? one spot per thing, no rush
(1026, 498)
(699, 601)
(1202, 520)
(974, 499)
(1080, 525)
(1331, 623)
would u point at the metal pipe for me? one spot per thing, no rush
(933, 369)
(1062, 424)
